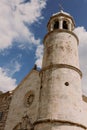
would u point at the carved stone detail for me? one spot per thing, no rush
(29, 97)
(25, 124)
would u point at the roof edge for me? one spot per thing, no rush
(25, 78)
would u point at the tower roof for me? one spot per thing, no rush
(61, 12)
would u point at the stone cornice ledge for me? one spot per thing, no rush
(59, 121)
(62, 66)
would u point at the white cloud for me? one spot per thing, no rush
(82, 35)
(39, 55)
(6, 83)
(12, 68)
(13, 15)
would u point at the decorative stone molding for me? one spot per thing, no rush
(28, 99)
(60, 121)
(25, 124)
(62, 66)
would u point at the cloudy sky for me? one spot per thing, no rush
(22, 29)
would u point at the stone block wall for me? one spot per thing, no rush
(5, 100)
(23, 111)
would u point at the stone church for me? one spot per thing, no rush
(49, 99)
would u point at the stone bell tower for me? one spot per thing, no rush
(60, 106)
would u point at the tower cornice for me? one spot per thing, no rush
(58, 66)
(64, 122)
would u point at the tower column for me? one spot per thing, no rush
(60, 24)
(51, 29)
(69, 26)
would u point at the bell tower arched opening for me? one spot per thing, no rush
(56, 25)
(65, 25)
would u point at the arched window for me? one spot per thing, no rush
(65, 25)
(56, 25)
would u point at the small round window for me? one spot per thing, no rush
(29, 97)
(67, 83)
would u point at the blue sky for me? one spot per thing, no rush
(22, 29)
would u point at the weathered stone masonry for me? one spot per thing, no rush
(49, 99)
(5, 100)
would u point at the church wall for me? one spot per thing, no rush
(21, 106)
(5, 100)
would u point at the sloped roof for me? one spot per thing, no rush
(25, 78)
